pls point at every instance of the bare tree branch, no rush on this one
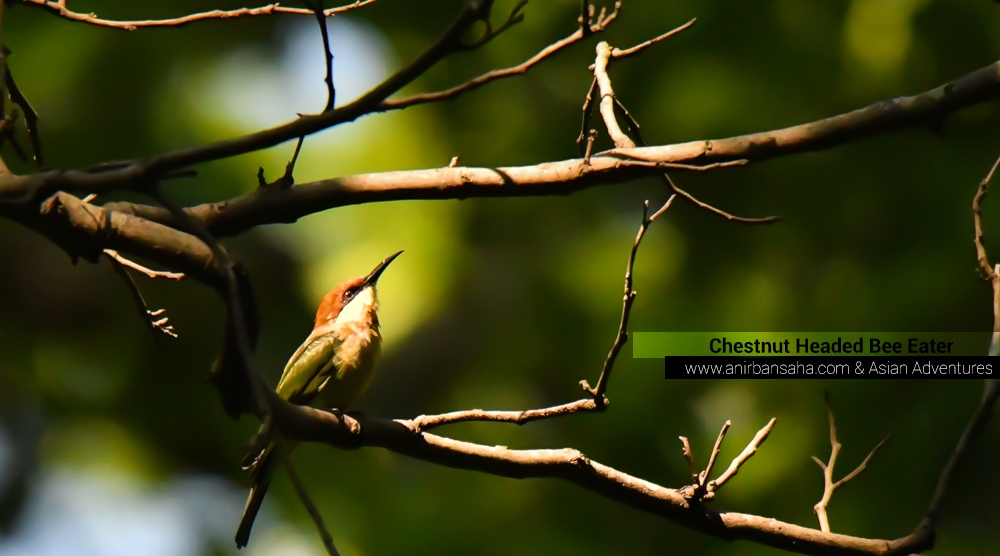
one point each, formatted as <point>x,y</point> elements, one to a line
<point>607,104</point>
<point>622,337</point>
<point>495,75</point>
<point>400,436</point>
<point>427,422</point>
<point>151,318</point>
<point>995,341</point>
<point>239,214</point>
<point>114,256</point>
<point>190,244</point>
<point>303,494</point>
<point>331,92</point>
<point>739,460</point>
<point>714,210</point>
<point>984,188</point>
<point>982,414</point>
<point>828,483</point>
<point>58,7</point>
<point>127,174</point>
<point>30,117</point>
<point>642,46</point>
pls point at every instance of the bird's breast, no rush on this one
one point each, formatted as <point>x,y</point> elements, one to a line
<point>354,362</point>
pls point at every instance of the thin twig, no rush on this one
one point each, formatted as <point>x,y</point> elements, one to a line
<point>513,18</point>
<point>710,208</point>
<point>591,137</point>
<point>991,391</point>
<point>586,16</point>
<point>136,266</point>
<point>828,483</point>
<point>477,82</point>
<point>587,106</point>
<point>738,461</point>
<point>995,341</point>
<point>703,476</point>
<point>331,93</point>
<point>234,296</point>
<point>688,456</point>
<point>30,118</point>
<point>306,500</point>
<point>640,47</point>
<point>633,125</point>
<point>59,8</point>
<point>678,166</point>
<point>427,422</point>
<point>151,318</point>
<point>7,131</point>
<point>627,300</point>
<point>984,187</point>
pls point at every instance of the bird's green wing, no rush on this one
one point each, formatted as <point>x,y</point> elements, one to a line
<point>308,369</point>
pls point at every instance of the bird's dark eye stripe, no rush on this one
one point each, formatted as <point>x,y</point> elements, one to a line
<point>350,293</point>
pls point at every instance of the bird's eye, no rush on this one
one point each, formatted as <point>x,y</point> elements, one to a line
<point>348,295</point>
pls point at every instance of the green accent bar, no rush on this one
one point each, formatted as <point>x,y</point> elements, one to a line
<point>743,344</point>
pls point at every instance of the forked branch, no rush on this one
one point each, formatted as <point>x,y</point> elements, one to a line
<point>154,319</point>
<point>828,483</point>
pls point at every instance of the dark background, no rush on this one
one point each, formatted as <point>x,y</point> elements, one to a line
<point>114,443</point>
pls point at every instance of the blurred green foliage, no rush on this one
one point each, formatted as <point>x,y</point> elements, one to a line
<point>507,303</point>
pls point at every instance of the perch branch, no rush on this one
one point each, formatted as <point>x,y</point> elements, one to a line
<point>400,436</point>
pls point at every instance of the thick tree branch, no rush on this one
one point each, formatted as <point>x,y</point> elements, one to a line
<point>239,214</point>
<point>58,7</point>
<point>400,436</point>
<point>85,231</point>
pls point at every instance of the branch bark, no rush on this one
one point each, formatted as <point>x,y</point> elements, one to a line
<point>237,215</point>
<point>405,438</point>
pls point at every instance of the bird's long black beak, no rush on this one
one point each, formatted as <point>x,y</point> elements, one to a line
<point>372,278</point>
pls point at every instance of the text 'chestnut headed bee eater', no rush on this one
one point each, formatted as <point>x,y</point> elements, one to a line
<point>332,368</point>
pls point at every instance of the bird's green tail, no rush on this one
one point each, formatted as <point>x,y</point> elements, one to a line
<point>263,470</point>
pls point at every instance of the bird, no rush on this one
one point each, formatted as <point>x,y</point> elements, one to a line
<point>332,368</point>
